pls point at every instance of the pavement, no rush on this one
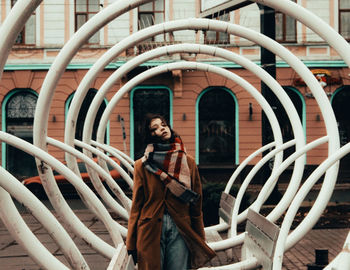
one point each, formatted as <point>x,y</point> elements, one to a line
<point>14,257</point>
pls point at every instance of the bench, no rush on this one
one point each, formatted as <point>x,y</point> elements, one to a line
<point>227,202</point>
<point>260,239</point>
<point>121,260</point>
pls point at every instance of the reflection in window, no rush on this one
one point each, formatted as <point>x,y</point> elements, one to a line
<point>214,37</point>
<point>285,28</point>
<point>151,13</point>
<point>145,100</point>
<point>344,18</point>
<point>84,10</point>
<point>27,34</point>
<point>216,127</point>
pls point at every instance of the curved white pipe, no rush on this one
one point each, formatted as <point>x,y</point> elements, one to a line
<point>113,204</point>
<point>285,241</point>
<point>246,182</point>
<point>229,242</point>
<point>69,217</point>
<point>42,114</point>
<point>222,225</point>
<point>12,25</point>
<point>20,231</point>
<point>111,183</point>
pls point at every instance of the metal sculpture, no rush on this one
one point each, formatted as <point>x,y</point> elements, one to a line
<point>291,200</point>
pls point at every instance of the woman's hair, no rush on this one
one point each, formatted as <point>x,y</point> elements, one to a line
<point>146,132</point>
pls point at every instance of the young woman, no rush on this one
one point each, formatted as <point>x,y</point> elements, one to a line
<point>165,229</point>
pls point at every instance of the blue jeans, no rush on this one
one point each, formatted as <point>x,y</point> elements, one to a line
<point>173,250</point>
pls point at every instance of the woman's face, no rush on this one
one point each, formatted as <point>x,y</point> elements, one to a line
<point>160,129</point>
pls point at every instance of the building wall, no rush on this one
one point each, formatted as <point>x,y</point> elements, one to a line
<point>27,67</point>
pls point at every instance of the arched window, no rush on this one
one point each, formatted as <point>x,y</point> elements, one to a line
<point>18,109</point>
<point>83,112</point>
<point>216,127</point>
<point>283,119</point>
<point>340,104</point>
<point>143,100</point>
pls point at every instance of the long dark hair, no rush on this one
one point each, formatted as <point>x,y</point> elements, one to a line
<point>146,132</point>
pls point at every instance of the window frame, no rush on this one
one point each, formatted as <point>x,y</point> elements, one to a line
<point>284,28</point>
<point>4,122</point>
<point>340,12</point>
<point>218,34</point>
<point>87,14</point>
<point>152,12</point>
<point>236,125</point>
<point>22,33</point>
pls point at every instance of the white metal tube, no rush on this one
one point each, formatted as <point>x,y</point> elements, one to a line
<point>12,25</point>
<point>112,203</point>
<point>110,181</point>
<point>227,243</point>
<point>64,210</point>
<point>222,225</point>
<point>244,163</point>
<point>269,185</point>
<point>116,154</point>
<point>275,214</point>
<point>22,234</point>
<point>192,65</point>
<point>217,52</point>
<point>307,76</point>
<point>45,99</point>
<point>286,241</point>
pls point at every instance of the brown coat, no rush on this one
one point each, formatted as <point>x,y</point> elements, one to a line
<point>150,197</point>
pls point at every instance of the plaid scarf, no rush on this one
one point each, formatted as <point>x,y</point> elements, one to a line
<point>169,162</point>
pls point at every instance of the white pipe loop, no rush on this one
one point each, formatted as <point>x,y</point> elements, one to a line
<point>110,181</point>
<point>285,241</point>
<point>222,226</point>
<point>68,216</point>
<point>114,153</point>
<point>109,200</point>
<point>229,242</point>
<point>44,101</point>
<point>12,25</point>
<point>19,230</point>
<point>270,184</point>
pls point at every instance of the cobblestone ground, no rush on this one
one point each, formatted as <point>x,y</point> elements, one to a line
<point>13,257</point>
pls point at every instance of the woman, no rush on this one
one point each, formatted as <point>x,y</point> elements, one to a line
<point>165,229</point>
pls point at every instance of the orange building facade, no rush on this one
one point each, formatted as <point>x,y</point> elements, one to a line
<point>219,121</point>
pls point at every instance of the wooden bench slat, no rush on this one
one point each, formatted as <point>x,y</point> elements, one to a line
<point>269,228</point>
<point>227,198</point>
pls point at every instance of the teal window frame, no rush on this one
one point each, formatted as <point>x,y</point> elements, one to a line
<point>303,113</point>
<point>4,118</point>
<point>211,88</point>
